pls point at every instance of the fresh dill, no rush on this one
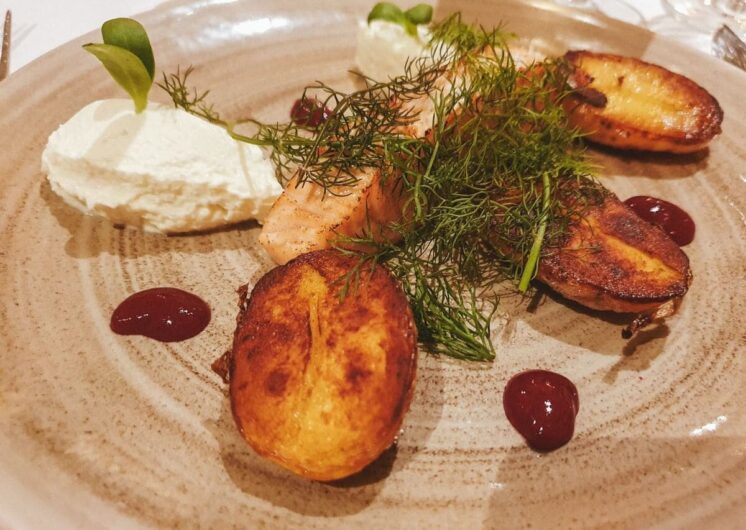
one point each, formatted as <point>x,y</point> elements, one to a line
<point>490,186</point>
<point>176,85</point>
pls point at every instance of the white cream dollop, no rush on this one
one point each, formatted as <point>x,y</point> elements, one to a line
<point>163,170</point>
<point>383,48</point>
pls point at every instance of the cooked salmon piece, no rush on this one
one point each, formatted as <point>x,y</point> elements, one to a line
<point>306,218</point>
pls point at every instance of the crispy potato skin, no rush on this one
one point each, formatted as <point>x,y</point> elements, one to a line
<point>646,107</point>
<point>612,260</point>
<point>318,385</point>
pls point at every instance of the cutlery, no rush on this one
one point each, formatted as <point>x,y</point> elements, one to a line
<point>5,53</point>
<point>729,46</point>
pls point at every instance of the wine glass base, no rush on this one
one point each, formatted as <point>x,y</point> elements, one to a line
<point>708,15</point>
<point>698,38</point>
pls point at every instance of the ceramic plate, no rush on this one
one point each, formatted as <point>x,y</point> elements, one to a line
<point>104,431</point>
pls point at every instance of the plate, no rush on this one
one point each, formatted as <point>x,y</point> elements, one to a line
<point>99,430</point>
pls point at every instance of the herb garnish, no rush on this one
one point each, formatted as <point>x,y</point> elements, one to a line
<point>409,19</point>
<point>128,57</point>
<point>491,188</point>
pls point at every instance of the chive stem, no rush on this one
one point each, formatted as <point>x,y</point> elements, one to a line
<point>418,183</point>
<point>529,270</point>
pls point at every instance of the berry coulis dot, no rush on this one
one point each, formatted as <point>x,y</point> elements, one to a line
<point>166,314</point>
<point>542,406</point>
<point>665,215</point>
<point>309,112</point>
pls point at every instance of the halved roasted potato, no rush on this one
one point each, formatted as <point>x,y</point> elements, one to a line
<point>612,260</point>
<point>319,384</point>
<point>627,103</point>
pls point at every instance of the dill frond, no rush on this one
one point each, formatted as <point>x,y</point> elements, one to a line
<point>495,184</point>
<point>176,86</point>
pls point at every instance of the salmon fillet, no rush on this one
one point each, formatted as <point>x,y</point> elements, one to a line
<point>304,218</point>
<point>307,218</point>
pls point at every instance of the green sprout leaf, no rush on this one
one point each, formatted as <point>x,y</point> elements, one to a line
<point>393,13</point>
<point>419,14</point>
<point>127,70</point>
<point>127,56</point>
<point>385,11</point>
<point>130,35</point>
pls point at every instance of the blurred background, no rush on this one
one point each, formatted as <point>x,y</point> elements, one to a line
<point>41,25</point>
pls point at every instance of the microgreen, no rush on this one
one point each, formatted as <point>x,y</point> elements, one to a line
<point>420,14</point>
<point>127,55</point>
<point>130,35</point>
<point>409,19</point>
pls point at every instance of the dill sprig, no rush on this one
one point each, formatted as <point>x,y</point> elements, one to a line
<point>496,184</point>
<point>492,187</point>
<point>176,85</point>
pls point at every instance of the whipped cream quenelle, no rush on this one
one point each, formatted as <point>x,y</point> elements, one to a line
<point>163,170</point>
<point>383,48</point>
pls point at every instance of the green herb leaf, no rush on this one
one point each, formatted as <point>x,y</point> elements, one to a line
<point>127,55</point>
<point>386,11</point>
<point>392,13</point>
<point>419,14</point>
<point>130,35</point>
<point>127,70</point>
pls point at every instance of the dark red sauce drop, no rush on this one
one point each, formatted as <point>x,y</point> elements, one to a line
<point>670,218</point>
<point>309,112</point>
<point>542,406</point>
<point>164,313</point>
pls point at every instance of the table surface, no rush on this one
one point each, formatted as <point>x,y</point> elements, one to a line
<point>41,25</point>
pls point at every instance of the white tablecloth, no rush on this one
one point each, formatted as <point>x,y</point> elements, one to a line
<point>41,25</point>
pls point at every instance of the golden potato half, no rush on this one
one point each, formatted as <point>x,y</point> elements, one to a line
<point>319,384</point>
<point>611,260</point>
<point>627,103</point>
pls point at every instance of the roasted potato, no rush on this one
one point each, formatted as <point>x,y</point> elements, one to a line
<point>627,103</point>
<point>612,260</point>
<point>319,384</point>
